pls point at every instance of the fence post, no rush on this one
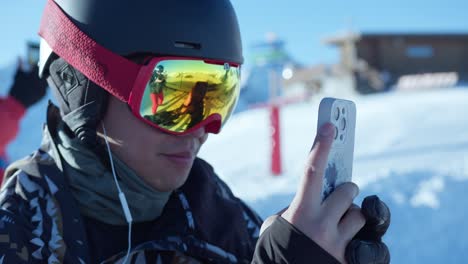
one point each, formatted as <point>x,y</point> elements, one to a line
<point>275,140</point>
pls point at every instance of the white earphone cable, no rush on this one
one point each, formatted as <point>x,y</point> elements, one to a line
<point>123,200</point>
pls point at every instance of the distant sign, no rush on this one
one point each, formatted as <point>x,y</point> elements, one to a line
<point>427,81</point>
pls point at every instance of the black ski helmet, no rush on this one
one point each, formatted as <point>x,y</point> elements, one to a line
<point>202,28</point>
<point>206,29</point>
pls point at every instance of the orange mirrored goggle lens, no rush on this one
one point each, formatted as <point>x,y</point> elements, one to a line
<point>181,94</point>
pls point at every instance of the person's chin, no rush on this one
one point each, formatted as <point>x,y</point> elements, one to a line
<point>173,178</point>
<point>171,174</point>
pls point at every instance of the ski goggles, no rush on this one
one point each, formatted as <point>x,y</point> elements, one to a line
<point>181,94</point>
<point>175,94</point>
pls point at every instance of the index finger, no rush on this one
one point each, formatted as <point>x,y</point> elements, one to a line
<point>311,185</point>
<point>19,62</point>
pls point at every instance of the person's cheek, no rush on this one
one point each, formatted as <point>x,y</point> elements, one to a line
<point>203,139</point>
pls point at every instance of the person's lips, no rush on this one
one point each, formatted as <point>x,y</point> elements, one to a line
<point>184,158</point>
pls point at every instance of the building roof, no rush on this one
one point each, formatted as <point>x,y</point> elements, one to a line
<point>340,38</point>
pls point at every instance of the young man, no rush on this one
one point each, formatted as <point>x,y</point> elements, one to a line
<point>27,89</point>
<point>117,180</point>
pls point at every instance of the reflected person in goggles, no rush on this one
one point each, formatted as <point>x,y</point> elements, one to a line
<point>117,178</point>
<point>157,82</point>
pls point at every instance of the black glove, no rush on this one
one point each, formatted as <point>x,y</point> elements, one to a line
<point>367,246</point>
<point>28,88</point>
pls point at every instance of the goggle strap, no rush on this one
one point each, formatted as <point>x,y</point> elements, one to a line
<point>112,72</point>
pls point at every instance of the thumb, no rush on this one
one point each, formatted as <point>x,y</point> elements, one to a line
<point>19,73</point>
<point>377,216</point>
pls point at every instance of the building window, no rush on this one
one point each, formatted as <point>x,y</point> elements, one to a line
<point>420,51</point>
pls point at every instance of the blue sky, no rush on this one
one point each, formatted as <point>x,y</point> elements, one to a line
<point>301,23</point>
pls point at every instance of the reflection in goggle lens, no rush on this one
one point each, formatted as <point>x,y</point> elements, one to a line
<point>183,93</point>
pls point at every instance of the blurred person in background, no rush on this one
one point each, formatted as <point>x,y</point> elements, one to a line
<point>27,89</point>
<point>109,185</point>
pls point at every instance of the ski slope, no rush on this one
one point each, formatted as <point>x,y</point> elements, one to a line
<point>411,150</point>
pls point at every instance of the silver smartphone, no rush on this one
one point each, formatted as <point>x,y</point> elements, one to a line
<point>342,114</point>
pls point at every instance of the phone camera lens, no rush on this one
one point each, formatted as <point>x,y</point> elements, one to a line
<point>343,111</point>
<point>343,124</point>
<point>336,132</point>
<point>336,113</point>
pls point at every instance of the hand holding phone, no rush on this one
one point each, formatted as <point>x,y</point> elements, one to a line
<point>342,114</point>
<point>334,222</point>
<point>331,223</point>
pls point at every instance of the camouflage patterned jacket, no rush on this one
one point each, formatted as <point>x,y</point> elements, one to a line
<point>40,220</point>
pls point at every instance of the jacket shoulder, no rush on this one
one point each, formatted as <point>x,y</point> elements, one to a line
<point>35,208</point>
<point>25,201</point>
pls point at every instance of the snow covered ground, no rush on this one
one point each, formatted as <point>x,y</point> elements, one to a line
<point>411,150</point>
